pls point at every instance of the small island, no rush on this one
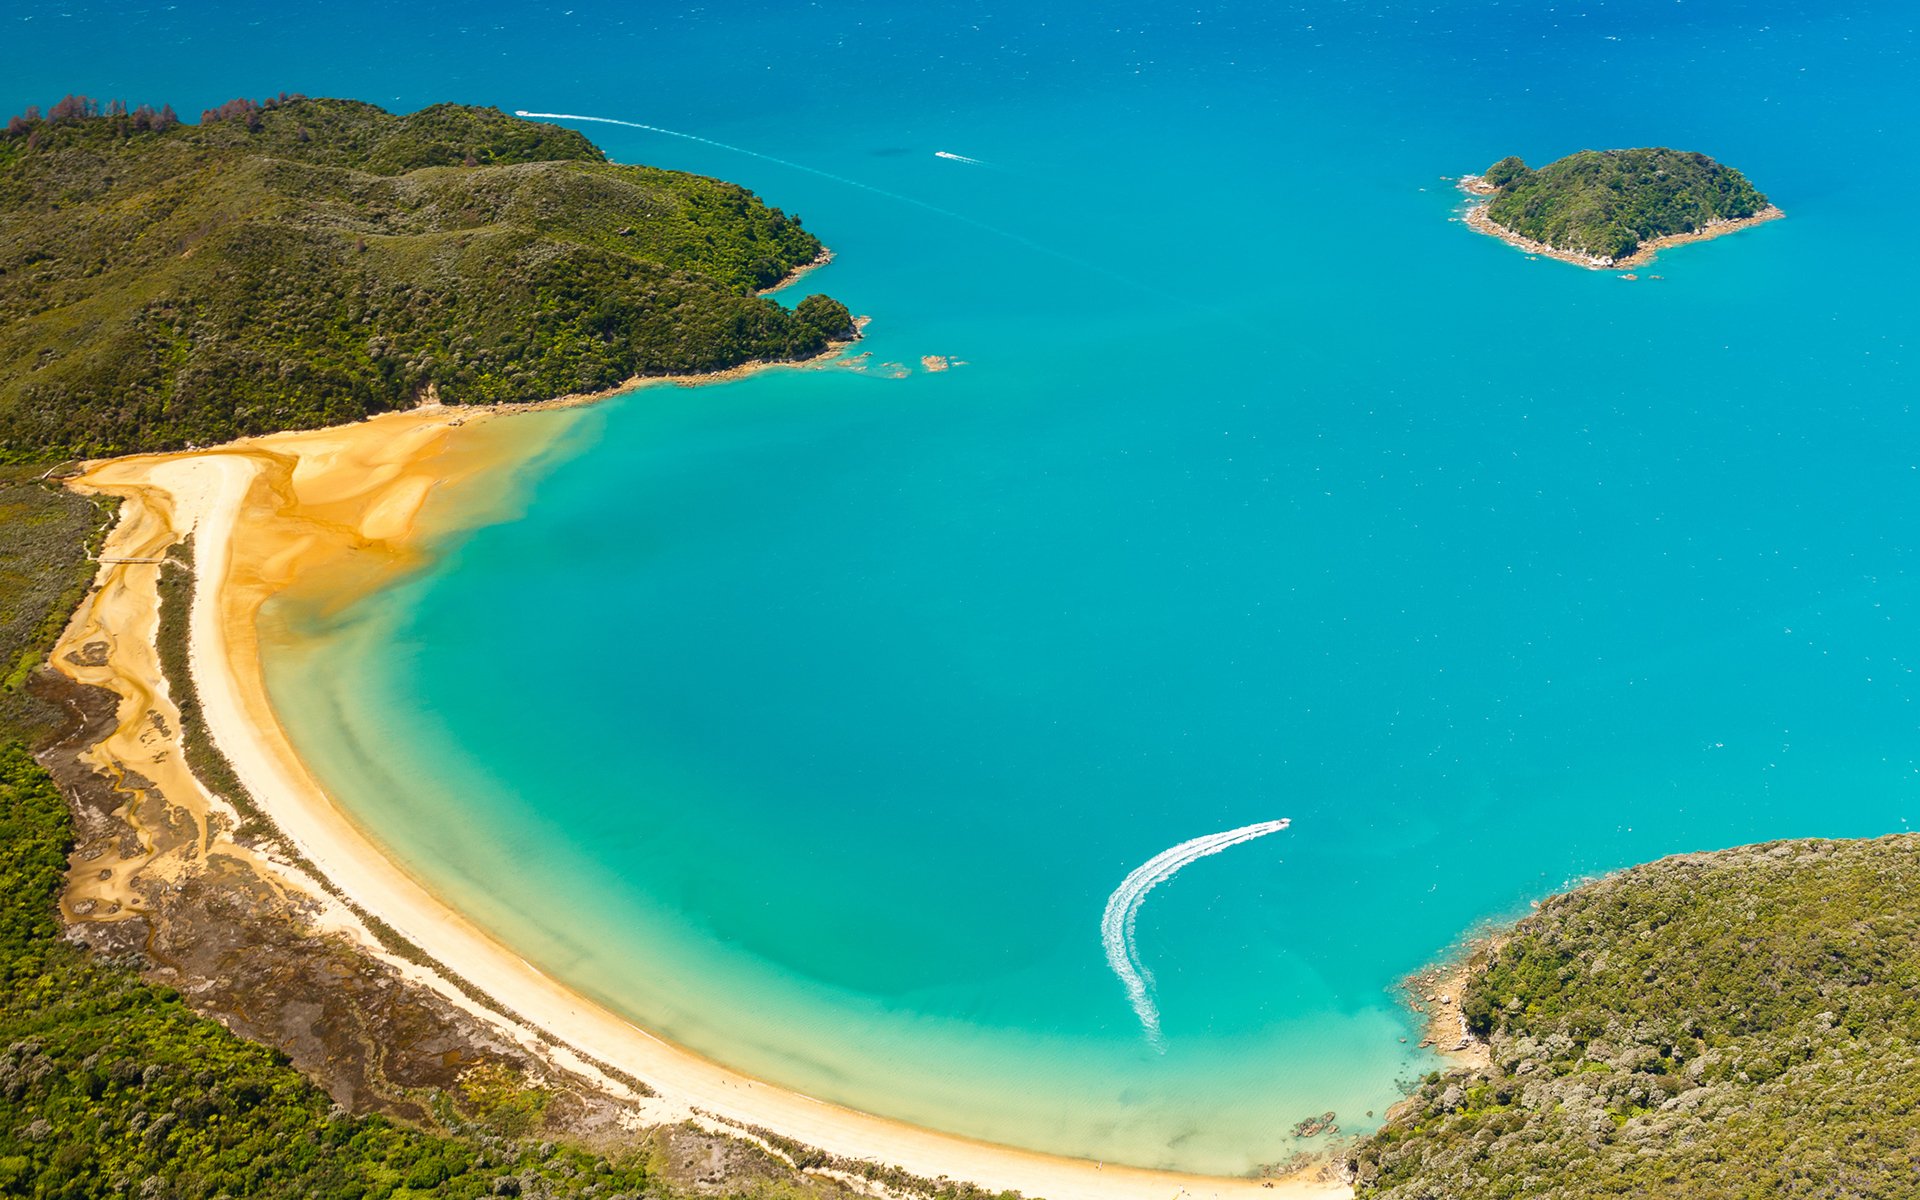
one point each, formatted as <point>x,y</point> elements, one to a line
<point>1606,209</point>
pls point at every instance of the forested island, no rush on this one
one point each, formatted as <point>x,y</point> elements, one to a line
<point>301,262</point>
<point>1614,208</point>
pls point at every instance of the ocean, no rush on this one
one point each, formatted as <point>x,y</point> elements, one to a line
<point>812,720</point>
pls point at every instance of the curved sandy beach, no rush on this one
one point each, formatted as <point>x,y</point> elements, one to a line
<point>265,512</point>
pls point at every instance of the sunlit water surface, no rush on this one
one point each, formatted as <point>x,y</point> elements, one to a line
<point>811,720</point>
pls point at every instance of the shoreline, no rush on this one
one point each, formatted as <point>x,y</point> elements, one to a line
<point>1436,993</point>
<point>804,269</point>
<point>1479,221</point>
<point>266,511</point>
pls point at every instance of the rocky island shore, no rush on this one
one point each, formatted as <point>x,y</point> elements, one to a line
<point>1613,209</point>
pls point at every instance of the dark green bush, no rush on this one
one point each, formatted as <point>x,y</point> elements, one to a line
<point>1729,1025</point>
<point>111,1087</point>
<point>305,262</point>
<point>1606,202</point>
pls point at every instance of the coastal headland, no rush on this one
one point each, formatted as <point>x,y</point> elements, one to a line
<point>346,501</point>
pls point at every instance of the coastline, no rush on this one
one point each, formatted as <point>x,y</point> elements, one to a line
<point>1436,993</point>
<point>1479,221</point>
<point>798,273</point>
<point>267,511</point>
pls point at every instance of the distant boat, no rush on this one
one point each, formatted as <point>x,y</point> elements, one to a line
<point>948,154</point>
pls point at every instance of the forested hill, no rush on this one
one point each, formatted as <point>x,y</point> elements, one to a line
<point>1606,202</point>
<point>301,262</point>
<point>1720,1026</point>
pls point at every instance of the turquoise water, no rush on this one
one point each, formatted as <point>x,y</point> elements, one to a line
<point>1266,491</point>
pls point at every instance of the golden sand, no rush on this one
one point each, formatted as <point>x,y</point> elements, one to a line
<point>345,502</point>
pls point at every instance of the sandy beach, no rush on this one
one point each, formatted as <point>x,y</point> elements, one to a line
<point>266,512</point>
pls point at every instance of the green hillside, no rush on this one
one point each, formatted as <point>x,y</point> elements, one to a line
<point>1606,202</point>
<point>110,1086</point>
<point>1729,1026</point>
<point>304,262</point>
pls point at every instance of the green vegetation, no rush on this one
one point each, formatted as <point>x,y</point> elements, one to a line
<point>1736,1025</point>
<point>110,1086</point>
<point>304,262</point>
<point>1606,202</point>
<point>204,757</point>
<point>45,533</point>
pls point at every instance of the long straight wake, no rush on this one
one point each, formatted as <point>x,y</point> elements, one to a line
<point>1123,912</point>
<point>964,219</point>
<point>706,141</point>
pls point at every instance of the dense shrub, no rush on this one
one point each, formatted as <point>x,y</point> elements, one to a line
<point>1729,1025</point>
<point>1606,202</point>
<point>110,1086</point>
<point>298,262</point>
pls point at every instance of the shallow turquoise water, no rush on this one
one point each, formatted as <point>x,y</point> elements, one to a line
<point>1266,491</point>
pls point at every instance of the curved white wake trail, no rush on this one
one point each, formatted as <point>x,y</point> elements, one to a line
<point>1123,911</point>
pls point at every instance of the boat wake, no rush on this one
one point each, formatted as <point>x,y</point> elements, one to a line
<point>796,166</point>
<point>706,141</point>
<point>963,218</point>
<point>1123,912</point>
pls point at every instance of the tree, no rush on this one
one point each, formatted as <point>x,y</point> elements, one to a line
<point>826,316</point>
<point>71,108</point>
<point>1506,171</point>
<point>238,108</point>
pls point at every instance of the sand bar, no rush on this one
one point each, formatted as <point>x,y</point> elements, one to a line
<point>265,512</point>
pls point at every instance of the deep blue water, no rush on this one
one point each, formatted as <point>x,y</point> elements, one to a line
<point>1266,490</point>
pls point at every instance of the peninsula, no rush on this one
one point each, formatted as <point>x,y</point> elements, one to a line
<point>298,262</point>
<point>1718,1025</point>
<point>1606,209</point>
